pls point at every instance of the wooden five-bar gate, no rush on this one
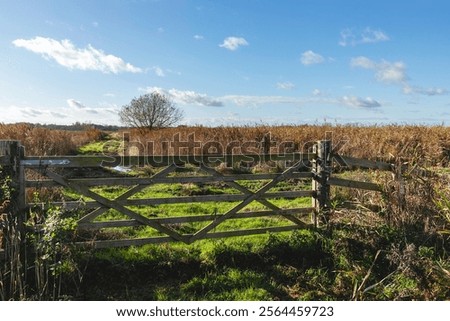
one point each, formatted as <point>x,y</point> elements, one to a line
<point>53,172</point>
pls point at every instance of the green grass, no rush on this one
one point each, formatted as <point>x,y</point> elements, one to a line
<point>107,146</point>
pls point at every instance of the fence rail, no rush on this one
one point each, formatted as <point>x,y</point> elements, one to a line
<point>315,168</point>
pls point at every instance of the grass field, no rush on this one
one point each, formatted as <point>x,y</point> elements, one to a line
<point>400,251</point>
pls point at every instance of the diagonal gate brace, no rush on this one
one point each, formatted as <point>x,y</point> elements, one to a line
<point>116,205</point>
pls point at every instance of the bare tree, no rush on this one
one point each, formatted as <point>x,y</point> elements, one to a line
<point>150,111</point>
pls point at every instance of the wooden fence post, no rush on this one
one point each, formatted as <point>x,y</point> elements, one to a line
<point>321,173</point>
<point>11,153</point>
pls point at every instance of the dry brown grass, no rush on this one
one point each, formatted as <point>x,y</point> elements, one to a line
<point>427,145</point>
<point>41,141</point>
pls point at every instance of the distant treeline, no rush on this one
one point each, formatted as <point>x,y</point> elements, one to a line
<point>77,126</point>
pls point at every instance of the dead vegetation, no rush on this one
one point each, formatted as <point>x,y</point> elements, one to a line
<point>40,141</point>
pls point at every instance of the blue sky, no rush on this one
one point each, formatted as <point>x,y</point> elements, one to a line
<point>229,62</point>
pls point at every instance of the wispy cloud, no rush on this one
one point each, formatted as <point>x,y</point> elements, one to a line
<point>66,54</point>
<point>287,85</point>
<point>82,109</point>
<point>75,104</point>
<point>158,71</point>
<point>317,92</point>
<point>31,112</point>
<point>186,96</point>
<point>198,37</point>
<point>394,73</point>
<point>58,115</point>
<point>358,102</point>
<point>425,91</point>
<point>253,101</point>
<point>192,97</point>
<point>310,58</point>
<point>72,112</point>
<point>349,37</point>
<point>233,43</point>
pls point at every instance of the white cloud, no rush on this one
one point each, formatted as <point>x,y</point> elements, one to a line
<point>363,62</point>
<point>186,96</point>
<point>253,101</point>
<point>395,73</point>
<point>66,54</point>
<point>388,72</point>
<point>31,112</point>
<point>385,71</point>
<point>61,115</point>
<point>233,43</point>
<point>192,97</point>
<point>198,37</point>
<point>368,35</point>
<point>373,36</point>
<point>242,100</point>
<point>158,71</point>
<point>309,58</point>
<point>407,89</point>
<point>58,115</point>
<point>359,102</point>
<point>75,104</point>
<point>435,91</point>
<point>317,92</point>
<point>287,85</point>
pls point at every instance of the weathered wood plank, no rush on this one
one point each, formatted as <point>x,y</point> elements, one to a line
<point>232,197</point>
<point>354,184</point>
<point>346,161</point>
<point>63,161</point>
<point>214,235</point>
<point>5,160</point>
<point>194,218</point>
<point>156,160</point>
<point>127,181</point>
<point>175,200</point>
<point>165,160</point>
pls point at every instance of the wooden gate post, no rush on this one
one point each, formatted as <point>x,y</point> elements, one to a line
<point>11,153</point>
<point>321,173</point>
